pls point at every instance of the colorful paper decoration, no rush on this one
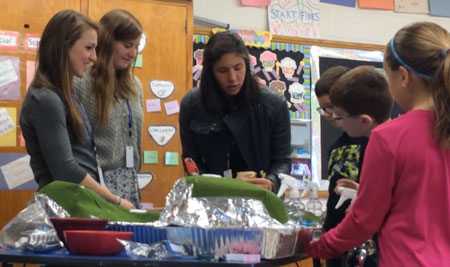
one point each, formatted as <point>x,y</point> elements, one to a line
<point>376,4</point>
<point>255,2</point>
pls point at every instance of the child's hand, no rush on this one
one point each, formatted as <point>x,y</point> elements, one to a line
<point>344,182</point>
<point>304,238</point>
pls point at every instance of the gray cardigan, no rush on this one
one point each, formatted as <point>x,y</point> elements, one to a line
<point>50,141</point>
<point>112,139</point>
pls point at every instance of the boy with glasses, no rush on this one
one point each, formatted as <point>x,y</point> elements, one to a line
<point>345,154</point>
<point>361,101</point>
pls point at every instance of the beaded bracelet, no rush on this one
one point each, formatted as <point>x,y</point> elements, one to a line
<point>118,199</point>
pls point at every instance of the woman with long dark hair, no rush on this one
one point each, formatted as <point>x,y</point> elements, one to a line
<point>232,124</point>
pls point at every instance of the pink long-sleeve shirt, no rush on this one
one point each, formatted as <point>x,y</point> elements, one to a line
<point>404,195</point>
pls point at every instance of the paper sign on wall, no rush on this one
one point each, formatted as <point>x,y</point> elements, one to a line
<point>378,4</point>
<point>171,158</point>
<point>294,18</point>
<point>412,6</point>
<point>144,179</point>
<point>162,89</point>
<point>172,107</point>
<point>32,42</point>
<point>7,73</point>
<point>161,134</point>
<point>153,105</point>
<point>150,157</point>
<point>142,43</point>
<point>9,78</point>
<point>7,127</point>
<point>255,2</point>
<point>138,61</point>
<point>31,69</point>
<point>347,3</point>
<point>17,172</point>
<point>439,8</point>
<point>9,40</point>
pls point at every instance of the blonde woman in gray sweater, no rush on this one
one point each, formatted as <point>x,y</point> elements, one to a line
<point>112,97</point>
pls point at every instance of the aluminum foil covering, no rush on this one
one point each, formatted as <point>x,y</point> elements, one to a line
<point>271,243</point>
<point>31,230</point>
<point>156,251</point>
<point>52,209</point>
<point>216,242</point>
<point>217,225</point>
<point>183,210</point>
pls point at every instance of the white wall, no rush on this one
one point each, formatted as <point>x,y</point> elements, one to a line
<point>336,22</point>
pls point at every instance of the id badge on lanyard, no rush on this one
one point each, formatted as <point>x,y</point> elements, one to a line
<point>129,152</point>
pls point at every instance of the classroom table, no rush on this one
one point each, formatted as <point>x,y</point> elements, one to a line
<point>61,257</point>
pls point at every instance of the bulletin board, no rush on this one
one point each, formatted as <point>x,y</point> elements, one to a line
<point>17,66</point>
<point>283,67</point>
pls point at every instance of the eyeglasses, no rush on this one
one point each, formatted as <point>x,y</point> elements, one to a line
<point>338,118</point>
<point>327,109</point>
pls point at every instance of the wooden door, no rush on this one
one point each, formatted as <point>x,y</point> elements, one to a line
<point>166,56</point>
<point>24,17</point>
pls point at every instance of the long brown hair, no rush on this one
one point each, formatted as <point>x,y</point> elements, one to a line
<point>116,26</point>
<point>424,48</point>
<point>54,70</point>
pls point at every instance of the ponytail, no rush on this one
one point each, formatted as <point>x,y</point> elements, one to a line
<point>441,97</point>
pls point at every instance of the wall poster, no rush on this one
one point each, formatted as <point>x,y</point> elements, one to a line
<point>283,67</point>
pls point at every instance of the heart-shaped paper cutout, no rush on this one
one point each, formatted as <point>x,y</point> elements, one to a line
<point>161,134</point>
<point>142,43</point>
<point>162,89</point>
<point>144,179</point>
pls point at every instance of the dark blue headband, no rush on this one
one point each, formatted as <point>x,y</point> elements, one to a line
<point>403,63</point>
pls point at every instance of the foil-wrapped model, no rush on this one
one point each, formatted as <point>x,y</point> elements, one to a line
<point>217,225</point>
<point>30,230</point>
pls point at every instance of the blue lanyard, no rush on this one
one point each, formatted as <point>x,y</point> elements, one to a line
<point>130,117</point>
<point>86,123</point>
<point>130,120</point>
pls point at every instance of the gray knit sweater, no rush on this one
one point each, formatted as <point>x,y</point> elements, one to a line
<point>113,138</point>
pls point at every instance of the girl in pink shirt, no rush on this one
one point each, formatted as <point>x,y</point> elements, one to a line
<point>404,191</point>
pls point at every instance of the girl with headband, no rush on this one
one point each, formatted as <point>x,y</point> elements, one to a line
<point>404,192</point>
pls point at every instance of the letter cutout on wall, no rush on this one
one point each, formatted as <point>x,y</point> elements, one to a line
<point>161,134</point>
<point>162,89</point>
<point>144,179</point>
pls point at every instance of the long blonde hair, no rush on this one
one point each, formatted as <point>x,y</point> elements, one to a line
<point>423,46</point>
<point>54,69</point>
<point>116,26</point>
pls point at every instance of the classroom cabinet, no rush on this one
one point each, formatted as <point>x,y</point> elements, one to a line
<point>167,56</point>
